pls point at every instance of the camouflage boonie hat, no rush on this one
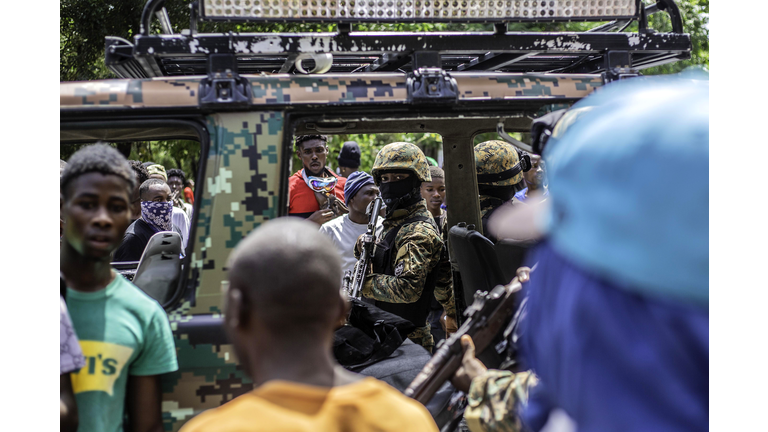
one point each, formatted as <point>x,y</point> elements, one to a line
<point>495,157</point>
<point>401,156</point>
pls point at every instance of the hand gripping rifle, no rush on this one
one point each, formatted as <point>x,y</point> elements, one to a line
<point>353,283</point>
<point>484,319</point>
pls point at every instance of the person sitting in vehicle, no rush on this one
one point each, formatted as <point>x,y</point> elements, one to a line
<point>344,231</point>
<point>284,343</point>
<point>156,213</point>
<point>499,177</point>
<point>409,264</point>
<point>303,200</point>
<point>124,334</point>
<point>349,159</point>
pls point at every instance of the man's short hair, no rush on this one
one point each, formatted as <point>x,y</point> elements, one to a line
<point>140,171</point>
<point>289,274</point>
<point>436,172</point>
<point>175,172</point>
<point>144,188</point>
<point>301,139</point>
<point>100,158</point>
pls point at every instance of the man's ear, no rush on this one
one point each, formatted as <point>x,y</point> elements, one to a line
<point>236,316</point>
<point>344,308</point>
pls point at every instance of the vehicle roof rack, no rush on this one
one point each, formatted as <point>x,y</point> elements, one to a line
<point>603,48</point>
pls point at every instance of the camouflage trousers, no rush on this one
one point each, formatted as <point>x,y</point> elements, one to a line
<point>423,337</point>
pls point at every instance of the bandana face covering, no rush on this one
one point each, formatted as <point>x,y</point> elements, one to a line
<point>157,214</point>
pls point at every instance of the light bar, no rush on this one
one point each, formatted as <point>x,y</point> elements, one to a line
<point>417,10</point>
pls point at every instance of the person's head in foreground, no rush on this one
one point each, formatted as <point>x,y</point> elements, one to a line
<point>399,170</point>
<point>96,187</point>
<point>282,307</point>
<point>617,325</point>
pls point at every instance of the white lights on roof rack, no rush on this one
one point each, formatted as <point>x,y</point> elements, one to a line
<point>415,10</point>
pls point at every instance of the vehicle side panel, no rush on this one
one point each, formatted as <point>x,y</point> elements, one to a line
<point>241,179</point>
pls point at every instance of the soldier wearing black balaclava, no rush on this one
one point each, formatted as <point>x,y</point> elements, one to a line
<point>409,251</point>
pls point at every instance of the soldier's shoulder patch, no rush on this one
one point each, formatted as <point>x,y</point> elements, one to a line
<point>399,268</point>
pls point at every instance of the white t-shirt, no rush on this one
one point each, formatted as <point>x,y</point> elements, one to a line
<point>344,233</point>
<point>180,223</point>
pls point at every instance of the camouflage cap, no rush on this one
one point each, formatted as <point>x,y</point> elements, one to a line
<point>401,156</point>
<point>157,169</point>
<point>495,157</point>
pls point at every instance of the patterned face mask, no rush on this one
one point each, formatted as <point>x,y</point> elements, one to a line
<point>157,214</point>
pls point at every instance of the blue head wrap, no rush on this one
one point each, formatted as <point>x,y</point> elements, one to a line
<point>354,183</point>
<point>629,186</point>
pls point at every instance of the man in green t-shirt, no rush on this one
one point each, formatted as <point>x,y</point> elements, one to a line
<point>124,334</point>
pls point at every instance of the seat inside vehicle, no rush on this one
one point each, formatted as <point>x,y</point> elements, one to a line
<point>160,266</point>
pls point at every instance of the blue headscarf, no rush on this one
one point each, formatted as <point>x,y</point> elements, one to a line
<point>354,183</point>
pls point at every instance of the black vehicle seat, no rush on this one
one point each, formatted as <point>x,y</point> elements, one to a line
<point>511,255</point>
<point>160,266</point>
<point>480,271</point>
<point>476,257</point>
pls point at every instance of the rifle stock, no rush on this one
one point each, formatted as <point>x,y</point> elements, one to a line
<point>484,319</point>
<point>353,285</point>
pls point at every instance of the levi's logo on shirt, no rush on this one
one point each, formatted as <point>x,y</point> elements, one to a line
<point>103,363</point>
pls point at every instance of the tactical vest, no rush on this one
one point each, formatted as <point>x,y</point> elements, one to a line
<point>417,311</point>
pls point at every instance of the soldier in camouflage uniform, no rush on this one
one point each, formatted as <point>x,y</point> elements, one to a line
<point>499,177</point>
<point>409,264</point>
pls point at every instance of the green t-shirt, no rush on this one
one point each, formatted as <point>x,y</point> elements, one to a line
<point>122,332</point>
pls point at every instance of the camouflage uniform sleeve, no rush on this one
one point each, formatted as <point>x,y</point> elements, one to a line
<point>444,285</point>
<point>418,251</point>
<point>493,399</point>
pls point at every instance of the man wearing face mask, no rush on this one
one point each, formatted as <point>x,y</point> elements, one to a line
<point>156,213</point>
<point>499,176</point>
<point>409,252</point>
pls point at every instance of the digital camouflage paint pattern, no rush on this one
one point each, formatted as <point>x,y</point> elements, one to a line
<point>327,89</point>
<point>242,172</point>
<point>494,398</point>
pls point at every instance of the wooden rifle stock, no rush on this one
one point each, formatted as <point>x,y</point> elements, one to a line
<point>485,318</point>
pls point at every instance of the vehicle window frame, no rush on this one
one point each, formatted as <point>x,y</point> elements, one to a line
<point>186,281</point>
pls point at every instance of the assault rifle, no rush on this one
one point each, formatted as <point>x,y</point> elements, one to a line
<point>353,282</point>
<point>484,319</point>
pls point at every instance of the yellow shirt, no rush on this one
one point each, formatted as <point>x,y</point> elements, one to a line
<point>366,405</point>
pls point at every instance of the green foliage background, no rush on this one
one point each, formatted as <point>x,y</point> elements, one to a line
<point>85,23</point>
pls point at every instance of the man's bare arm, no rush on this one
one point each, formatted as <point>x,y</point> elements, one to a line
<point>143,401</point>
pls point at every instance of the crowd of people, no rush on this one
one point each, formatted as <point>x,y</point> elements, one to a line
<point>615,331</point>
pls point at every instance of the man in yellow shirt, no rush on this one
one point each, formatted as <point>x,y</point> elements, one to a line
<point>282,306</point>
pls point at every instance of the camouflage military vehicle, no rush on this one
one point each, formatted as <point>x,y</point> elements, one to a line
<point>244,97</point>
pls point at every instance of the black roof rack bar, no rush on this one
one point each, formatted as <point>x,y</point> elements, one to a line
<point>377,43</point>
<point>153,55</point>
